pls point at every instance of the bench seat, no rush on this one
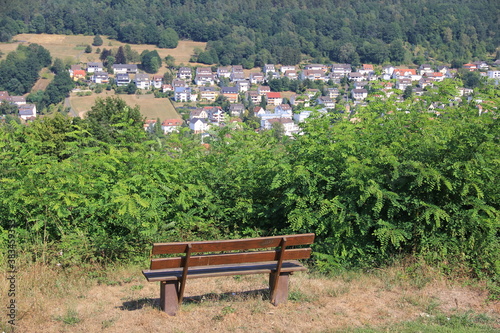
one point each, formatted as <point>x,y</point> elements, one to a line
<point>267,267</point>
<point>200,259</point>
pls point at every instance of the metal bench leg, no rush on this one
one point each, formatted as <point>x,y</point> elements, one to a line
<point>169,297</point>
<point>280,293</point>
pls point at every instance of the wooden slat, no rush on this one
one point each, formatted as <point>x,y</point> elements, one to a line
<point>222,270</point>
<point>232,244</point>
<point>230,258</point>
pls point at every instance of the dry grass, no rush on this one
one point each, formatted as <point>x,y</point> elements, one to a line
<point>151,108</point>
<point>71,48</point>
<point>46,76</point>
<point>51,300</point>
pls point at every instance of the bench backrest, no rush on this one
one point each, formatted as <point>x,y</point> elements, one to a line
<point>249,250</point>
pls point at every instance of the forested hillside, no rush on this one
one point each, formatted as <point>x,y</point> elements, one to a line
<point>254,32</point>
<point>374,188</point>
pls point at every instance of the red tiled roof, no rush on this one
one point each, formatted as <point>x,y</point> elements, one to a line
<point>273,95</point>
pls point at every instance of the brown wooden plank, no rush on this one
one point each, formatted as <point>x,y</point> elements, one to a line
<point>222,270</point>
<point>230,258</point>
<point>232,244</point>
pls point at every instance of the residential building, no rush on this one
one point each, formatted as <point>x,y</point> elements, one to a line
<point>124,68</point>
<point>27,111</point>
<point>182,94</point>
<point>122,80</point>
<point>93,67</point>
<point>171,125</point>
<point>142,81</point>
<point>100,77</point>
<point>185,73</point>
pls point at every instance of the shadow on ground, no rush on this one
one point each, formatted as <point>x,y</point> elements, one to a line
<point>140,303</point>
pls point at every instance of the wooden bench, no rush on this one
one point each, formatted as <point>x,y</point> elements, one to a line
<point>264,255</point>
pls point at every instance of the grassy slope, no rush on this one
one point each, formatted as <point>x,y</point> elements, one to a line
<point>121,300</point>
<point>151,108</point>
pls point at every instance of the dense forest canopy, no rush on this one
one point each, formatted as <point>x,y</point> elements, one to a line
<point>254,32</point>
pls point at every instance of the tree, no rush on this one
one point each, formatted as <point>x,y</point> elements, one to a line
<point>170,61</point>
<point>131,88</point>
<point>151,61</point>
<point>120,56</point>
<point>88,49</point>
<point>8,108</point>
<point>111,120</point>
<point>168,39</point>
<point>408,93</point>
<point>97,40</point>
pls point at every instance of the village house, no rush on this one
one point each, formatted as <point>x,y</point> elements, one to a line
<point>185,73</point>
<point>426,82</point>
<point>17,100</point>
<point>142,81</point>
<point>208,94</point>
<point>326,102</point>
<point>470,67</point>
<point>237,77</point>
<point>100,77</point>
<point>401,84</point>
<point>157,81</point>
<point>436,76</point>
<point>27,111</point>
<point>237,69</point>
<point>253,96</point>
<point>341,69</point>
<point>269,68</point>
<point>231,93</point>
<point>359,94</point>
<point>182,94</point>
<point>243,86</point>
<point>167,87</point>
<point>76,73</point>
<point>291,74</point>
<point>124,69</point>
<point>122,80</point>
<point>262,90</point>
<point>259,111</point>
<point>93,67</point>
<point>223,72</point>
<point>355,76</point>
<point>283,109</point>
<point>313,75</point>
<point>332,92</point>
<point>199,125</point>
<point>236,110</point>
<point>316,67</point>
<point>202,79</point>
<point>296,100</point>
<point>425,69</point>
<point>285,68</point>
<point>74,68</point>
<point>171,125</point>
<point>481,65</point>
<point>289,126</point>
<point>366,69</point>
<point>179,83</point>
<point>199,113</point>
<point>400,73</point>
<point>149,125</point>
<point>256,78</point>
<point>274,98</point>
<point>215,114</point>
